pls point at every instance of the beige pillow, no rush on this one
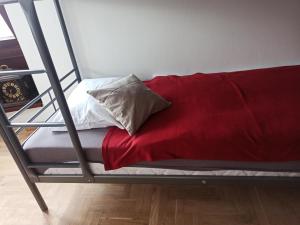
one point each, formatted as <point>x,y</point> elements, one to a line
<point>129,101</point>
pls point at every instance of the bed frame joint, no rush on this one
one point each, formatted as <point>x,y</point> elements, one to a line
<point>34,179</point>
<point>90,179</point>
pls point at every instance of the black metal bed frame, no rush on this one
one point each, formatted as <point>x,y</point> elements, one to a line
<point>27,168</point>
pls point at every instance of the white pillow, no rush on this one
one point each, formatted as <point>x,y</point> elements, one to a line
<point>86,111</point>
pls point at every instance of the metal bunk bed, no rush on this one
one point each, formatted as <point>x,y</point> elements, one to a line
<point>9,132</point>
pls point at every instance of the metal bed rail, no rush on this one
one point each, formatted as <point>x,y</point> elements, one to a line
<point>6,2</point>
<point>172,179</point>
<point>29,123</point>
<point>14,74</point>
<point>67,38</point>
<point>29,10</point>
<point>29,178</point>
<point>7,73</point>
<point>7,130</point>
<point>37,98</point>
<point>35,27</point>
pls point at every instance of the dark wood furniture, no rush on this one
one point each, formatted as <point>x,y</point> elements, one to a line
<point>15,92</point>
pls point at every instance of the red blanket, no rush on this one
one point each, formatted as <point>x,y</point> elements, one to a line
<point>245,116</point>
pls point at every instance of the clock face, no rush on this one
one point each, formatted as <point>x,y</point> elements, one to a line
<point>12,92</point>
<point>17,92</point>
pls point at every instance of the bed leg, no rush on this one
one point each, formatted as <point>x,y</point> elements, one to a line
<point>14,147</point>
<point>37,195</point>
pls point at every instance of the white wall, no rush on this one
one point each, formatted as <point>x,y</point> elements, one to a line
<point>182,36</point>
<point>55,41</point>
<point>53,35</point>
<point>146,37</point>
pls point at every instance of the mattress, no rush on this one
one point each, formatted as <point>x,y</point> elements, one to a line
<point>46,146</point>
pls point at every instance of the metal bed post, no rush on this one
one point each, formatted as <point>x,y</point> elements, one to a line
<point>67,38</point>
<point>20,159</point>
<point>33,21</point>
<point>11,137</point>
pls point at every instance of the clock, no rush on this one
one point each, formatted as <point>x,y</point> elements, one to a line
<point>16,92</point>
<point>11,91</point>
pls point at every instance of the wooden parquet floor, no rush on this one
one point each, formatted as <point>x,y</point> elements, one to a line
<point>104,204</point>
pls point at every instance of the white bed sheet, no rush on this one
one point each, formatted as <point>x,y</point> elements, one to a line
<point>98,169</point>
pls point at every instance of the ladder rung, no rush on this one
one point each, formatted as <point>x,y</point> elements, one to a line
<point>37,125</point>
<point>4,73</point>
<point>4,2</point>
<point>53,165</point>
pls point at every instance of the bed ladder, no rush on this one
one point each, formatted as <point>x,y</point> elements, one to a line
<point>7,127</point>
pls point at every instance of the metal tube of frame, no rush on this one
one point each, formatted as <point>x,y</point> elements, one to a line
<point>53,165</point>
<point>67,38</point>
<point>68,74</point>
<point>41,111</point>
<point>52,102</point>
<point>32,18</point>
<point>171,179</point>
<point>32,186</point>
<point>22,128</point>
<point>36,125</point>
<point>9,77</point>
<point>29,104</point>
<point>13,139</point>
<point>70,85</point>
<point>4,2</point>
<point>20,72</point>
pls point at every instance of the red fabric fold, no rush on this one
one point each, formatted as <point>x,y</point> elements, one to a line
<point>245,116</point>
